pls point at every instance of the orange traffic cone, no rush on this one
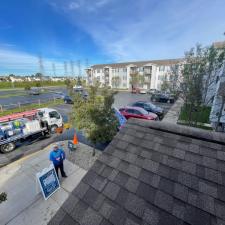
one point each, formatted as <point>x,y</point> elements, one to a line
<point>75,139</point>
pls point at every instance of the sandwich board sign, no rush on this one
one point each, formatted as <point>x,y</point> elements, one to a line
<point>48,181</point>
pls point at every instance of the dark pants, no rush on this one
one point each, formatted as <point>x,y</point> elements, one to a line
<point>60,166</point>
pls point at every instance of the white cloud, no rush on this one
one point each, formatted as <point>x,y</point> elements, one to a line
<point>73,5</point>
<point>143,29</point>
<point>23,63</point>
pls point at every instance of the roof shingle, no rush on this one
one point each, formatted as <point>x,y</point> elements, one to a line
<point>171,175</point>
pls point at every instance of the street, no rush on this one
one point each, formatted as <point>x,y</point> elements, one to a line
<point>121,99</point>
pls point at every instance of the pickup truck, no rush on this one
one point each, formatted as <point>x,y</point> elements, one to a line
<point>18,127</point>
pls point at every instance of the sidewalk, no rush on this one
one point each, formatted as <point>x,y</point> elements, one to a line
<point>173,114</point>
<point>25,204</point>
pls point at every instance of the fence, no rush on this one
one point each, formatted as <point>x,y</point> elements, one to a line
<point>22,104</point>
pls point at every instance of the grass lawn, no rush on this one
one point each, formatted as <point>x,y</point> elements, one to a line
<point>200,115</point>
<point>32,106</point>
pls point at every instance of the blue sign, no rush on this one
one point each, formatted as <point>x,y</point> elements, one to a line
<point>48,181</point>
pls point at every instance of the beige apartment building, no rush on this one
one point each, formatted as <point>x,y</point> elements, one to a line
<point>154,72</point>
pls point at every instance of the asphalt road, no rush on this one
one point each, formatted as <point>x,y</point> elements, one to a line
<point>24,98</point>
<point>121,99</point>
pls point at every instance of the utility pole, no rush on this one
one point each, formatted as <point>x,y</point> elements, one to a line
<point>72,68</point>
<point>53,69</point>
<point>41,66</point>
<point>79,68</point>
<point>65,68</point>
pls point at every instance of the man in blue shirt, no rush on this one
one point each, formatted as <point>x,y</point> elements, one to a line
<point>57,156</point>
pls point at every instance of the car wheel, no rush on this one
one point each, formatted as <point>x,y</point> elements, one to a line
<point>8,147</point>
<point>53,129</point>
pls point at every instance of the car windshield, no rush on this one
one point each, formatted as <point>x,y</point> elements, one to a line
<point>142,111</point>
<point>150,105</point>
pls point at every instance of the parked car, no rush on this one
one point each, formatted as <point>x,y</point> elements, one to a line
<point>153,91</point>
<point>142,91</point>
<point>67,99</point>
<point>159,97</point>
<point>134,90</point>
<point>121,119</point>
<point>80,90</point>
<point>34,91</point>
<point>148,106</point>
<point>137,112</point>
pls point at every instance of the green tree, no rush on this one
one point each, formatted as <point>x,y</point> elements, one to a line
<point>69,86</point>
<point>115,81</point>
<point>27,87</point>
<point>38,84</point>
<point>193,72</point>
<point>79,81</point>
<point>134,79</point>
<point>95,116</point>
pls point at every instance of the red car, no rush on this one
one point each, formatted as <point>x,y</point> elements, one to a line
<point>137,112</point>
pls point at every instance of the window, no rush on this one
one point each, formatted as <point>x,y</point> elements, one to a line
<point>217,79</point>
<point>137,112</point>
<point>54,114</point>
<point>162,68</point>
<point>124,69</point>
<point>98,70</point>
<point>139,104</point>
<point>131,111</point>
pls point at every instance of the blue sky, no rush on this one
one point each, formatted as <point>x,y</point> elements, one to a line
<point>102,31</point>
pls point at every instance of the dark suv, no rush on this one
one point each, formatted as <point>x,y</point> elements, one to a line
<point>166,98</point>
<point>149,107</point>
<point>67,99</point>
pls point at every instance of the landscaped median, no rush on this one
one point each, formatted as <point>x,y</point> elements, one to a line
<point>198,117</point>
<point>31,106</point>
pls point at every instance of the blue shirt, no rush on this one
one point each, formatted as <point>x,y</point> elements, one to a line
<point>57,157</point>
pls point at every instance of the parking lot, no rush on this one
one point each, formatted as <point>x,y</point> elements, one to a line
<point>121,99</point>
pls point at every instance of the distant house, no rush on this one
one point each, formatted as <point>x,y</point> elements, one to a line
<point>58,78</point>
<point>14,78</point>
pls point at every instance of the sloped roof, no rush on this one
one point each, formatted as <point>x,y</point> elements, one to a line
<point>162,62</point>
<point>152,173</point>
<point>219,44</point>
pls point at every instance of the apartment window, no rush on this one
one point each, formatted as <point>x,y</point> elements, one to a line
<point>162,68</point>
<point>124,77</point>
<point>141,69</point>
<point>98,70</point>
<point>124,69</point>
<point>217,79</point>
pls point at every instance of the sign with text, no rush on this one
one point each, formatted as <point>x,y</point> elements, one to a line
<point>48,181</point>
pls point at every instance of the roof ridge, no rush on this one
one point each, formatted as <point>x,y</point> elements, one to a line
<point>181,130</point>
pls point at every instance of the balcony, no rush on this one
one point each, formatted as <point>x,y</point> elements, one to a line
<point>133,70</point>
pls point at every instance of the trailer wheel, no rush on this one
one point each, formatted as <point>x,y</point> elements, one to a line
<point>8,147</point>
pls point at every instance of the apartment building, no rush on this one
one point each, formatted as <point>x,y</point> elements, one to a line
<point>217,94</point>
<point>154,72</point>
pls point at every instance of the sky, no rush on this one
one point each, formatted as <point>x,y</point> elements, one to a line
<point>57,32</point>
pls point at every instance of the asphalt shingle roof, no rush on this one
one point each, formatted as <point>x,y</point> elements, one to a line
<point>152,173</point>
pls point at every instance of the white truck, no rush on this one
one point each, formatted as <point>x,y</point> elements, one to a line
<point>18,127</point>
